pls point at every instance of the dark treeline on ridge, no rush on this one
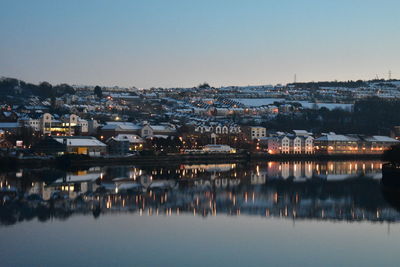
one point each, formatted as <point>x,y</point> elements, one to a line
<point>369,116</point>
<point>15,87</point>
<point>346,84</point>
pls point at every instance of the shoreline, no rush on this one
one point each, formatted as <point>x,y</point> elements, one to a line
<point>72,161</point>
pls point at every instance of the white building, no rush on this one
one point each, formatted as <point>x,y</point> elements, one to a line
<point>218,149</point>
<point>257,132</point>
<point>291,144</point>
<point>218,129</point>
<point>47,123</point>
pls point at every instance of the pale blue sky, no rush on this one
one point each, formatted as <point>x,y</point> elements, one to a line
<point>183,43</point>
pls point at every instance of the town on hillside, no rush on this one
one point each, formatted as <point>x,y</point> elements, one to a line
<point>298,119</point>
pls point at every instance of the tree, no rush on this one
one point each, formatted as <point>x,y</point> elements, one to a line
<point>98,92</point>
<point>204,86</point>
<point>53,102</point>
<point>45,90</point>
<point>63,89</point>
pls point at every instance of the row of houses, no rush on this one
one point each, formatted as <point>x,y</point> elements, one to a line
<point>298,142</point>
<point>252,132</point>
<point>117,138</point>
<point>218,129</point>
<point>71,124</point>
<point>303,142</point>
<point>143,129</point>
<point>51,124</point>
<point>48,124</point>
<point>88,145</point>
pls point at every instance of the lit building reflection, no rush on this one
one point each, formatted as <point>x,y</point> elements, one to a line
<point>296,190</point>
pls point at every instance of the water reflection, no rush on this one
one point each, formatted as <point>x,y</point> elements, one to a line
<point>340,190</point>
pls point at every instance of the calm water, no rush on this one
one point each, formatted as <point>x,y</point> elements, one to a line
<point>270,213</point>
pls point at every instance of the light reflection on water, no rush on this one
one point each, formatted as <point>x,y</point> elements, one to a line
<point>254,202</point>
<point>300,190</point>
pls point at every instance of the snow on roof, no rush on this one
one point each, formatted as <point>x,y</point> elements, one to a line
<point>336,137</point>
<point>113,125</point>
<point>162,128</point>
<point>7,125</point>
<point>301,132</point>
<point>158,127</point>
<point>380,138</point>
<point>161,136</point>
<point>82,142</point>
<point>132,138</point>
<point>78,178</point>
<point>7,113</point>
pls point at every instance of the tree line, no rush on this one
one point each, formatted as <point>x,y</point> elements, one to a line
<point>369,116</point>
<point>15,87</point>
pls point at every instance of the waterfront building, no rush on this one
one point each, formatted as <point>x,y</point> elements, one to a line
<point>353,144</point>
<point>86,145</point>
<point>218,149</point>
<point>117,146</point>
<point>134,142</point>
<point>82,145</point>
<point>291,144</point>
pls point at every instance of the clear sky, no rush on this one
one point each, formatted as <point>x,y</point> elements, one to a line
<point>179,43</point>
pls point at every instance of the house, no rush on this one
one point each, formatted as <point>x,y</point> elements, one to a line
<point>8,116</point>
<point>286,144</point>
<point>74,124</point>
<point>114,128</point>
<point>117,146</point>
<point>256,132</point>
<point>93,126</point>
<point>218,128</point>
<point>85,145</point>
<point>157,130</point>
<point>221,129</point>
<point>49,124</point>
<point>135,142</point>
<point>32,121</point>
<point>291,143</point>
<point>309,145</point>
<point>145,129</point>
